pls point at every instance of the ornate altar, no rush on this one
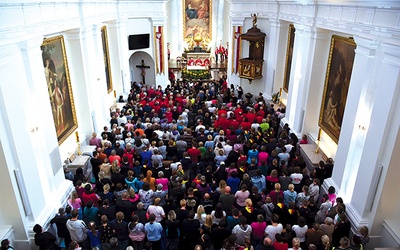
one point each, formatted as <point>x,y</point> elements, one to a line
<point>251,67</point>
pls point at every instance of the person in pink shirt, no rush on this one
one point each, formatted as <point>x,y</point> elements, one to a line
<point>94,141</point>
<point>262,155</point>
<point>162,180</point>
<point>257,235</point>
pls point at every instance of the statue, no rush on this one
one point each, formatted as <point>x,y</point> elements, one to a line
<point>254,16</point>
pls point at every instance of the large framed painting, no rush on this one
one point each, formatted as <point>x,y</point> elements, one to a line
<point>197,19</point>
<point>59,86</point>
<point>289,55</point>
<point>337,80</point>
<point>106,56</point>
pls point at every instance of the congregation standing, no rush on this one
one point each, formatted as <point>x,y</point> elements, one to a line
<point>200,165</point>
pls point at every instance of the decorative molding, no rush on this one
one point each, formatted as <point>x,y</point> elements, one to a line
<point>366,47</point>
<point>391,54</point>
<point>355,218</point>
<point>393,229</point>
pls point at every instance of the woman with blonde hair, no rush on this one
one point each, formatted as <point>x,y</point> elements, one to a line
<point>221,186</point>
<point>295,244</point>
<point>106,168</point>
<point>206,227</point>
<point>326,242</point>
<point>200,214</point>
<point>274,194</point>
<point>107,195</point>
<point>133,196</point>
<point>272,178</point>
<point>172,230</point>
<point>75,202</point>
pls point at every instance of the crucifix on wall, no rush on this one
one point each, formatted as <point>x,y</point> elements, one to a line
<point>142,66</point>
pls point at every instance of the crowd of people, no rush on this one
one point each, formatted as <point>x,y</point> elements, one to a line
<point>199,165</point>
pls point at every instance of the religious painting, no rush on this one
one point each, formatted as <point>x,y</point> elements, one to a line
<point>289,55</point>
<point>106,56</point>
<point>337,80</point>
<point>197,20</point>
<point>58,81</point>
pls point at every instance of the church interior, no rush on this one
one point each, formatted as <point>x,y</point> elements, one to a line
<point>333,65</point>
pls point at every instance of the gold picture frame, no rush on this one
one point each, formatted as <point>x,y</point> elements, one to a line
<point>106,56</point>
<point>197,19</point>
<point>289,56</point>
<point>59,86</point>
<point>337,81</point>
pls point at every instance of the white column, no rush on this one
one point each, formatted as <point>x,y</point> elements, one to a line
<point>120,57</point>
<point>357,115</point>
<point>303,55</point>
<point>12,209</point>
<point>379,120</point>
<point>271,47</point>
<point>218,19</point>
<point>315,87</point>
<point>80,51</point>
<point>175,22</point>
<point>232,77</point>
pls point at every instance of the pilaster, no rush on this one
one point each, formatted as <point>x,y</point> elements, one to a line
<point>271,48</point>
<point>376,133</point>
<point>358,111</point>
<point>120,58</point>
<point>315,86</point>
<point>303,51</point>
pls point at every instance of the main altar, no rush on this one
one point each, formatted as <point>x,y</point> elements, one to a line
<point>198,63</point>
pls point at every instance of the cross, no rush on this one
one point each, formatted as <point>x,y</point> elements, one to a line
<point>142,66</point>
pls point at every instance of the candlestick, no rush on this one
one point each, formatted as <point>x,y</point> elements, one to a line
<point>77,136</point>
<point>319,134</point>
<point>115,93</point>
<point>317,149</point>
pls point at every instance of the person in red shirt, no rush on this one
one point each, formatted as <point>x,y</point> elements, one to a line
<point>259,118</point>
<point>179,99</point>
<point>114,157</point>
<point>238,110</point>
<point>261,112</point>
<point>251,116</point>
<point>157,107</point>
<point>168,115</point>
<point>234,123</point>
<point>239,118</point>
<point>279,244</point>
<point>194,153</point>
<point>223,122</point>
<point>222,111</point>
<point>129,152</point>
<point>246,124</point>
<point>151,92</point>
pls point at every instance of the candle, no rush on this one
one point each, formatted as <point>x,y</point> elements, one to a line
<point>77,136</point>
<point>319,134</point>
<point>115,94</point>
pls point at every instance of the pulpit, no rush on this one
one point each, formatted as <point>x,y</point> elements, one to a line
<point>251,66</point>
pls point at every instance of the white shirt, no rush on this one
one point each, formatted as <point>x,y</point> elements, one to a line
<point>300,232</point>
<point>158,211</point>
<point>272,230</point>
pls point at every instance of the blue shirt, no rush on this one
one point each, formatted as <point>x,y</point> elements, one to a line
<point>94,240</point>
<point>233,182</point>
<point>153,231</point>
